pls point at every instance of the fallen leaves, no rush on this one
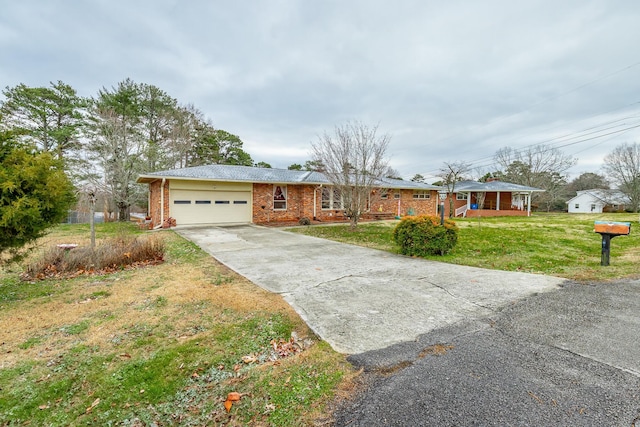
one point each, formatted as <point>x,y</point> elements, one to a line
<point>279,349</point>
<point>435,350</point>
<point>93,405</point>
<point>231,397</point>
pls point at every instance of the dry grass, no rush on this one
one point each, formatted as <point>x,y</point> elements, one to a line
<point>113,253</point>
<point>128,298</point>
<point>130,315</point>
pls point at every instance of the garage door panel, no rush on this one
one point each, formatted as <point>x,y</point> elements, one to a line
<point>210,207</point>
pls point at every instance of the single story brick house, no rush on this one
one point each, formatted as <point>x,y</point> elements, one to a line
<point>219,194</point>
<point>491,198</point>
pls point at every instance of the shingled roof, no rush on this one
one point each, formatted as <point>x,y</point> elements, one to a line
<point>231,173</point>
<point>491,186</point>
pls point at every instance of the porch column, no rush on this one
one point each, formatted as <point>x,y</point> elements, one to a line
<point>497,200</point>
<point>469,200</point>
<point>529,204</point>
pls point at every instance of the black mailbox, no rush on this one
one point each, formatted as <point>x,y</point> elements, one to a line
<point>609,230</point>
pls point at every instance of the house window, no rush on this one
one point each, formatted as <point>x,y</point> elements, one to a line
<point>420,194</point>
<point>280,197</point>
<point>462,196</point>
<point>593,208</point>
<point>203,202</point>
<point>222,202</point>
<point>182,202</point>
<point>331,198</point>
<point>384,194</point>
<point>396,195</point>
<point>577,206</point>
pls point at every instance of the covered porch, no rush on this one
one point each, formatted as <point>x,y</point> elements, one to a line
<point>494,198</point>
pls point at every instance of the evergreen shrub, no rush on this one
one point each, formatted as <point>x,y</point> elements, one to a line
<point>423,235</point>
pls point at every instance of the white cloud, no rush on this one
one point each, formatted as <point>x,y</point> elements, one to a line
<point>449,80</point>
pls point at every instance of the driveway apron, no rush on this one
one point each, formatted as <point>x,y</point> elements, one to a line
<point>359,299</point>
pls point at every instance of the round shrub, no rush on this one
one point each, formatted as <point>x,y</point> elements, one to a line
<point>423,235</point>
<point>304,221</point>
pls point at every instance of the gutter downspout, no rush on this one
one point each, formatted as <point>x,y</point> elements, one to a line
<point>162,201</point>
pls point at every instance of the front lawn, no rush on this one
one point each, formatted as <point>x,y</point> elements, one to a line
<point>562,245</point>
<point>158,345</point>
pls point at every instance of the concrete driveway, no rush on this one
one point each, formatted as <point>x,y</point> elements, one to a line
<point>360,299</point>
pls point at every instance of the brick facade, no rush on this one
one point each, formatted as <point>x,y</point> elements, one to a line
<point>300,203</point>
<point>155,202</point>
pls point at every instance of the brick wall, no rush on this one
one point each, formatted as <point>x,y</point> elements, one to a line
<point>408,204</point>
<point>155,201</point>
<point>300,203</point>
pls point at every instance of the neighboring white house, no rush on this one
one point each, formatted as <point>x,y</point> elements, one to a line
<point>597,201</point>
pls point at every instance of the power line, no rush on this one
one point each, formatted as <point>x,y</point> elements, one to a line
<point>521,150</point>
<point>551,98</point>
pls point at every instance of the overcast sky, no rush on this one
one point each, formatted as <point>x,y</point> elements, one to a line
<point>448,80</point>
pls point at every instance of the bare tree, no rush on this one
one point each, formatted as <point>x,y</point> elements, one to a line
<point>529,166</point>
<point>540,166</point>
<point>117,152</point>
<point>451,173</point>
<point>353,159</point>
<point>623,167</point>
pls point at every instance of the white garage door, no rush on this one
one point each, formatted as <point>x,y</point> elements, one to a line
<point>210,207</point>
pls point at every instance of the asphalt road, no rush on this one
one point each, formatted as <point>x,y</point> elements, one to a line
<point>569,357</point>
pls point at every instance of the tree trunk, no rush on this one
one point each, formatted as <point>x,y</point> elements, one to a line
<point>122,212</point>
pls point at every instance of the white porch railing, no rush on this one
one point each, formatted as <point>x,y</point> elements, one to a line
<point>462,210</point>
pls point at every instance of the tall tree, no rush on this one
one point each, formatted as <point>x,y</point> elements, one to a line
<point>183,133</point>
<point>418,178</point>
<point>216,146</point>
<point>264,165</point>
<point>117,143</point>
<point>157,115</point>
<point>623,167</point>
<point>353,159</point>
<point>35,193</point>
<point>48,117</point>
<point>313,165</point>
<point>452,173</point>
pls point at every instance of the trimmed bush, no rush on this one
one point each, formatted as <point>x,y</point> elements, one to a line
<point>423,235</point>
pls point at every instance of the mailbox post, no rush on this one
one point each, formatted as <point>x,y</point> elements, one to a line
<point>443,196</point>
<point>608,230</point>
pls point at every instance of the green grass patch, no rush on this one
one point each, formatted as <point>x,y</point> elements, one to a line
<point>31,342</point>
<point>556,244</point>
<point>76,328</point>
<point>161,345</point>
